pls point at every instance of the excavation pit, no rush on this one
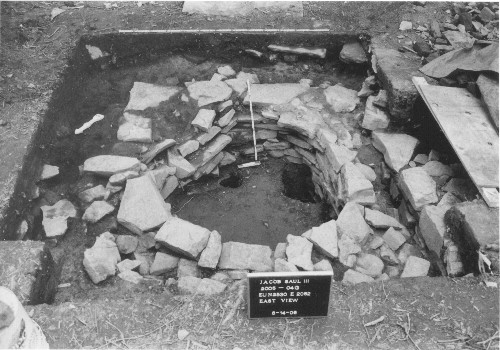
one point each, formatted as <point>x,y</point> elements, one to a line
<point>314,155</point>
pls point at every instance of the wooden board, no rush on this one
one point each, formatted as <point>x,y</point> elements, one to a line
<point>467,127</point>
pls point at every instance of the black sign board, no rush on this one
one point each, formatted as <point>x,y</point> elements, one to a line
<point>289,294</point>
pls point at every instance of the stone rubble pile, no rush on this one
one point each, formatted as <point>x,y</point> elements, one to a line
<point>323,127</point>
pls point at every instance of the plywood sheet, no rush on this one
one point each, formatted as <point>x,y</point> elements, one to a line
<point>466,125</point>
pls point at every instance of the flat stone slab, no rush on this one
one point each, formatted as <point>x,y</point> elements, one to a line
<point>351,223</point>
<point>397,148</point>
<point>205,286</point>
<point>489,95</point>
<point>355,187</point>
<point>281,265</point>
<point>183,167</point>
<point>354,277</point>
<point>210,255</point>
<point>432,227</point>
<point>341,99</point>
<point>207,92</point>
<point>418,187</point>
<point>324,238</point>
<point>142,207</point>
<point>144,95</point>
<point>49,171</point>
<point>96,211</point>
<point>298,252</point>
<point>394,238</point>
<point>95,193</point>
<point>273,94</point>
<point>353,52</point>
<point>188,147</point>
<point>306,124</point>
<point>204,119</point>
<point>378,219</point>
<point>55,218</point>
<point>202,157</point>
<point>157,149</point>
<point>183,237</point>
<point>163,263</point>
<point>415,267</point>
<point>241,256</point>
<point>107,165</point>
<point>100,261</point>
<point>135,129</point>
<point>369,264</point>
<point>374,117</point>
<point>24,267</point>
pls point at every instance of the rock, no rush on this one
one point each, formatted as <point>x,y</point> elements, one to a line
<point>188,284</point>
<point>145,95</point>
<point>353,52</point>
<point>347,247</point>
<point>226,119</point>
<point>435,168</point>
<point>281,265</point>
<point>421,158</point>
<point>341,99</point>
<point>354,277</point>
<point>212,132</point>
<point>188,147</point>
<point>146,260</point>
<point>280,251</point>
<point>355,187</point>
<point>306,125</point>
<point>55,218</point>
<point>452,260</point>
<point>459,40</point>
<point>207,92</point>
<point>184,168</point>
<point>96,211</point>
<point>142,207</point>
<point>128,264</point>
<point>241,256</point>
<point>351,223</point>
<point>237,274</point>
<point>223,105</point>
<point>131,276</point>
<point>324,238</point>
<point>188,268</point>
<point>239,85</point>
<point>212,150</point>
<point>135,129</point>
<point>210,255</point>
<point>163,263</point>
<point>157,149</point>
<point>228,159</point>
<point>473,225</point>
<point>161,174</point>
<point>49,171</point>
<point>374,118</point>
<point>92,194</point>
<point>338,156</point>
<point>376,242</point>
<point>170,185</point>
<point>146,241</point>
<point>221,277</point>
<point>369,265</point>
<point>448,200</point>
<point>388,255</point>
<point>126,244</point>
<point>217,77</point>
<point>276,146</point>
<point>432,227</point>
<point>273,94</point>
<point>435,29</point>
<point>100,260</point>
<point>393,238</point>
<point>397,148</point>
<point>418,187</point>
<point>378,219</point>
<point>204,119</point>
<point>415,267</point>
<point>28,270</point>
<point>226,71</point>
<point>367,171</point>
<point>298,252</point>
<point>487,15</point>
<point>323,265</point>
<point>406,251</point>
<point>107,165</point>
<point>422,48</point>
<point>183,237</point>
<point>405,25</point>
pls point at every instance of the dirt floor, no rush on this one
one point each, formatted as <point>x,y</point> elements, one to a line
<point>426,313</point>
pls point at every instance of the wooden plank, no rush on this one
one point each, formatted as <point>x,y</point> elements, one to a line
<point>466,125</point>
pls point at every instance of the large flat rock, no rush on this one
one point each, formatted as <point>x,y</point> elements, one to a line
<point>210,255</point>
<point>306,124</point>
<point>183,237</point>
<point>432,227</point>
<point>355,187</point>
<point>55,217</point>
<point>142,207</point>
<point>418,187</point>
<point>206,154</point>
<point>397,148</point>
<point>28,270</point>
<point>144,95</point>
<point>107,165</point>
<point>135,128</point>
<point>298,252</point>
<point>324,238</point>
<point>207,92</point>
<point>351,223</point>
<point>241,256</point>
<point>341,99</point>
<point>100,261</point>
<point>273,94</point>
